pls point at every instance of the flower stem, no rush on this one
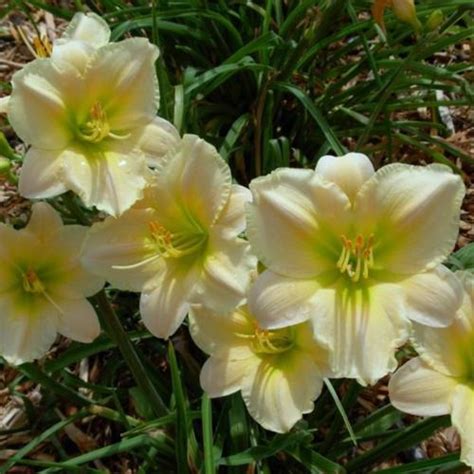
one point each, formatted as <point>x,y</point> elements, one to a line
<point>114,329</point>
<point>119,336</point>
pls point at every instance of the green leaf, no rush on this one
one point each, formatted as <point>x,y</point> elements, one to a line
<point>141,403</point>
<point>233,136</point>
<point>315,462</point>
<point>206,409</point>
<point>449,463</point>
<point>404,439</point>
<point>316,114</point>
<point>463,259</point>
<point>278,443</point>
<point>182,423</point>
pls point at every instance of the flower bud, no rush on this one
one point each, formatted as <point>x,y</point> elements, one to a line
<point>405,11</point>
<point>434,20</point>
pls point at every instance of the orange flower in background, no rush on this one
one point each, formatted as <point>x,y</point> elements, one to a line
<point>404,10</point>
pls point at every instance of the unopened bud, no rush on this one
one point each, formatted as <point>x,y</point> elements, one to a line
<point>434,20</point>
<point>405,11</point>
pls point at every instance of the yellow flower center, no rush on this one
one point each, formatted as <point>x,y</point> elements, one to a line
<point>96,127</point>
<point>357,257</point>
<point>31,282</point>
<point>272,341</point>
<point>176,244</point>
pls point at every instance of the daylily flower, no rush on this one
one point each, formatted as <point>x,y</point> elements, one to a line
<point>89,114</point>
<point>179,245</point>
<point>279,372</point>
<point>358,253</point>
<point>441,380</point>
<point>43,287</point>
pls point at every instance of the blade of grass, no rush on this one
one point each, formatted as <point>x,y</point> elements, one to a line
<point>316,114</point>
<point>315,462</point>
<point>402,440</point>
<point>206,409</point>
<point>41,438</point>
<point>181,424</point>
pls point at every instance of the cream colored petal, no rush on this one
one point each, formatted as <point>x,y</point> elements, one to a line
<point>216,334</point>
<point>462,417</point>
<point>417,389</point>
<point>467,307</point>
<point>447,350</point>
<point>198,177</point>
<point>164,302</point>
<point>41,174</point>
<point>232,220</point>
<point>349,172</point>
<point>363,326</point>
<point>37,109</point>
<point>122,76</point>
<point>318,352</point>
<point>73,53</point>
<point>111,181</point>
<point>295,222</point>
<point>120,250</point>
<point>416,210</point>
<point>70,278</point>
<point>26,331</point>
<point>17,247</point>
<point>278,301</point>
<point>433,297</point>
<point>88,27</point>
<point>226,274</point>
<point>157,139</point>
<point>281,390</point>
<point>78,320</point>
<point>4,104</point>
<point>222,376</point>
<point>44,222</point>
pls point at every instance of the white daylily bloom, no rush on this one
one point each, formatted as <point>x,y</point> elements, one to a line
<point>89,114</point>
<point>441,380</point>
<point>279,372</point>
<point>180,244</point>
<point>43,287</point>
<point>358,252</point>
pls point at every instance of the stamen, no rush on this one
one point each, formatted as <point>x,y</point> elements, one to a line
<point>356,259</point>
<point>272,342</point>
<point>176,244</point>
<point>96,128</point>
<point>31,282</point>
<point>138,264</point>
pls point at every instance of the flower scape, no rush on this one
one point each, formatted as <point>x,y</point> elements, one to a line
<point>305,276</point>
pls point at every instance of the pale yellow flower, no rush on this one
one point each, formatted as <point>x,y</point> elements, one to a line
<point>89,114</point>
<point>358,253</point>
<point>180,244</point>
<point>441,380</point>
<point>279,373</point>
<point>43,287</point>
